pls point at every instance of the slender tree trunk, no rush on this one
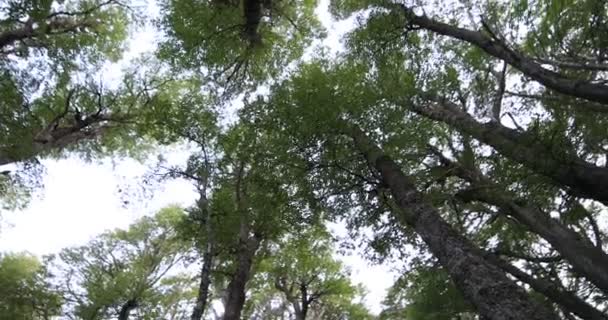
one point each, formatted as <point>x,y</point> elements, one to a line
<point>497,48</point>
<point>482,283</point>
<point>555,292</point>
<point>303,310</point>
<point>205,277</point>
<point>205,282</point>
<point>125,310</point>
<point>587,259</point>
<point>567,171</point>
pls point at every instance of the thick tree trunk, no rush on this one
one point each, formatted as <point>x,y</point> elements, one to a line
<point>125,310</point>
<point>236,287</point>
<point>9,37</point>
<point>51,139</point>
<point>587,259</point>
<point>253,16</point>
<point>482,283</point>
<point>555,292</point>
<point>566,171</point>
<point>497,48</point>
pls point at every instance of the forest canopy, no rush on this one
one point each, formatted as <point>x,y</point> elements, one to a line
<point>465,144</point>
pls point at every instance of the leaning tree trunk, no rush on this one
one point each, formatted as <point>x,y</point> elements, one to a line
<point>566,171</point>
<point>496,47</point>
<point>482,283</point>
<point>555,292</point>
<point>587,260</point>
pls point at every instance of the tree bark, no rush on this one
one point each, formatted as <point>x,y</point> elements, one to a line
<point>498,49</point>
<point>482,283</point>
<point>565,171</point>
<point>587,259</point>
<point>555,292</point>
<point>125,310</point>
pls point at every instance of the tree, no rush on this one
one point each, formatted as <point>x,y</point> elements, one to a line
<point>473,134</point>
<point>239,44</point>
<point>307,276</point>
<point>462,259</point>
<point>25,289</point>
<point>124,271</point>
<point>257,202</point>
<point>47,109</point>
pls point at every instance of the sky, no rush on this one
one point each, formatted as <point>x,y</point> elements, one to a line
<point>82,199</point>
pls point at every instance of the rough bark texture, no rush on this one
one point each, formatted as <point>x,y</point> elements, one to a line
<point>482,283</point>
<point>497,48</point>
<point>580,177</point>
<point>553,291</point>
<point>125,310</point>
<point>587,259</point>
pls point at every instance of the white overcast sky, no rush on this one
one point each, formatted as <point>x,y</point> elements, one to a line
<point>81,200</point>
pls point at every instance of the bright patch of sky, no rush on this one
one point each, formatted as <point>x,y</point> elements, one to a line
<point>81,199</point>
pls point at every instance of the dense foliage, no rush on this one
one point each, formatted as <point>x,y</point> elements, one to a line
<point>463,142</point>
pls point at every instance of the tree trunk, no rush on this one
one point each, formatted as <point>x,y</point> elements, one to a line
<point>555,292</point>
<point>52,139</point>
<point>205,280</point>
<point>247,247</point>
<point>304,303</point>
<point>253,16</point>
<point>203,288</point>
<point>586,259</point>
<point>125,310</point>
<point>566,171</point>
<point>236,287</point>
<point>497,48</point>
<point>485,285</point>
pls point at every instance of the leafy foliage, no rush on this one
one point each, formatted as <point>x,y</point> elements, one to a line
<point>26,291</point>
